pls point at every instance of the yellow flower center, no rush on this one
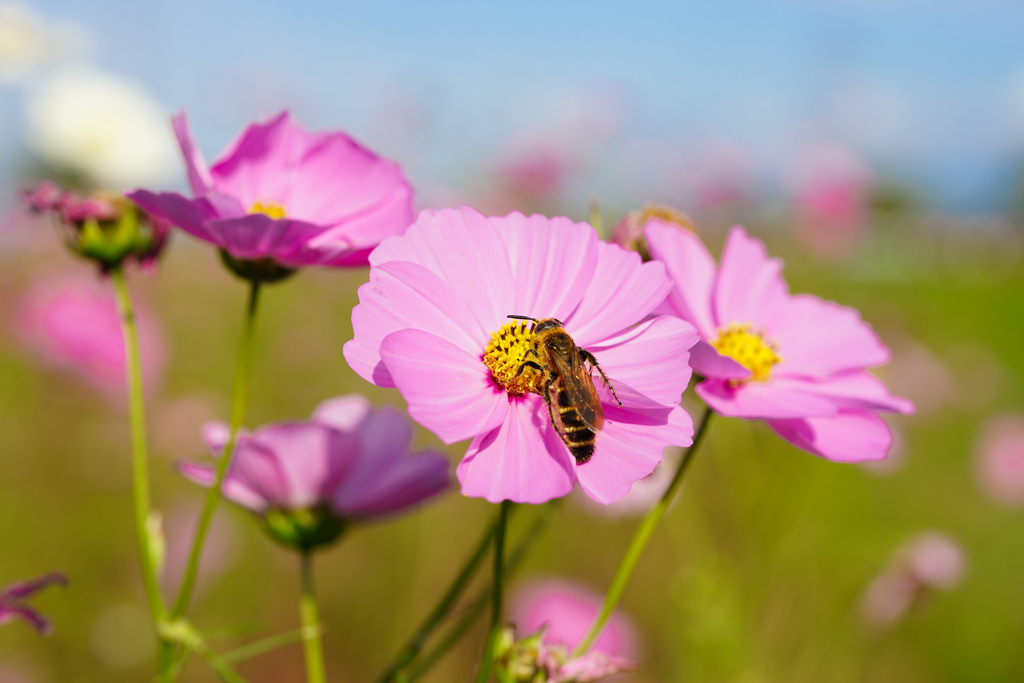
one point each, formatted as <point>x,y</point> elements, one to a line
<point>270,208</point>
<point>505,354</point>
<point>749,349</point>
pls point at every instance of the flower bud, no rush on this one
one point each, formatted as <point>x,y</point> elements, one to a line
<point>629,231</point>
<point>104,227</point>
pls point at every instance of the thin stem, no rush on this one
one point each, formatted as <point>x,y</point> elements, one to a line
<point>268,644</point>
<point>496,593</point>
<point>140,459</point>
<point>477,605</point>
<point>414,645</point>
<point>239,399</point>
<point>636,547</point>
<point>315,672</point>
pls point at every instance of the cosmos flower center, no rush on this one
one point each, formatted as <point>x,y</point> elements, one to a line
<point>269,208</point>
<point>750,349</point>
<point>504,356</point>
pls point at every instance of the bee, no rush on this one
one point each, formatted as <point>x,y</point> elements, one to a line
<point>567,387</point>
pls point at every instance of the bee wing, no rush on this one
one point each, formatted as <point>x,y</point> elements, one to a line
<point>579,387</point>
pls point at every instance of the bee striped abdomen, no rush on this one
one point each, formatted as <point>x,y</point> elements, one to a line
<point>577,436</point>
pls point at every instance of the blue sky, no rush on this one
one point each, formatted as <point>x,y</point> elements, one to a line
<point>925,90</point>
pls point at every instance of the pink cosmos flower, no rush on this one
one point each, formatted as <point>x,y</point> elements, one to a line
<point>557,614</point>
<point>797,362</point>
<point>12,605</point>
<point>73,322</point>
<point>999,459</point>
<point>280,193</point>
<point>348,463</point>
<point>433,322</point>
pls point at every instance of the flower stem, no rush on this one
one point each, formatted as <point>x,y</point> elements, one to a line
<point>239,399</point>
<point>315,672</point>
<point>140,457</point>
<point>414,645</point>
<point>424,662</point>
<point>497,590</point>
<point>636,547</point>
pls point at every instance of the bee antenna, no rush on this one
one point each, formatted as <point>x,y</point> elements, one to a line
<point>521,317</point>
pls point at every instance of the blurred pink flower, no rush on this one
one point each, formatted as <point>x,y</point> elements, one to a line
<point>73,322</point>
<point>830,187</point>
<point>797,362</point>
<point>629,231</point>
<point>556,615</point>
<point>999,459</point>
<point>931,561</point>
<point>280,193</point>
<point>433,322</point>
<point>12,605</point>
<point>348,463</point>
<point>568,610</point>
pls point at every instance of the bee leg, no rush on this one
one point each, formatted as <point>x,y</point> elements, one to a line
<point>528,364</point>
<point>589,357</point>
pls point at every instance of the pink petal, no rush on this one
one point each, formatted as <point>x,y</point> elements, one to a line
<point>216,435</point>
<point>344,413</point>
<point>257,235</point>
<point>523,460</point>
<point>335,179</point>
<point>706,361</point>
<point>408,480</point>
<point>188,214</point>
<point>749,288</point>
<point>449,391</point>
<point>651,358</point>
<point>623,291</point>
<point>692,270</point>
<point>234,489</point>
<point>310,458</point>
<point>198,174</point>
<point>856,390</point>
<point>390,215</point>
<point>464,249</point>
<point>255,166</point>
<point>260,470</point>
<point>630,446</point>
<point>850,436</point>
<point>818,337</point>
<point>402,295</point>
<point>763,400</point>
<point>553,262</point>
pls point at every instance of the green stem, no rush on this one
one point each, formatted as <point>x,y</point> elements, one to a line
<point>239,399</point>
<point>496,593</point>
<point>414,645</point>
<point>268,644</point>
<point>423,664</point>
<point>315,672</point>
<point>140,461</point>
<point>636,547</point>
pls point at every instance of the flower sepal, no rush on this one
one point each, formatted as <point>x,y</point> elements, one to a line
<point>304,529</point>
<point>262,271</point>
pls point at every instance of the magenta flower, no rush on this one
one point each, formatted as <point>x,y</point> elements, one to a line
<point>432,321</point>
<point>797,362</point>
<point>309,479</point>
<point>556,615</point>
<point>568,610</point>
<point>73,322</point>
<point>999,459</point>
<point>280,193</point>
<point>12,605</point>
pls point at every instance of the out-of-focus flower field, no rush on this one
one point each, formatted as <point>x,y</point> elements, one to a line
<point>773,565</point>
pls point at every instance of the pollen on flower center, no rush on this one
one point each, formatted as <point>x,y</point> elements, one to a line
<point>504,356</point>
<point>270,208</point>
<point>740,342</point>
